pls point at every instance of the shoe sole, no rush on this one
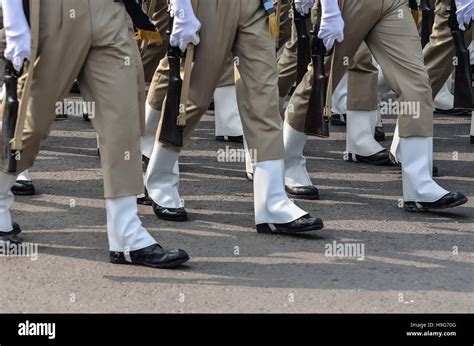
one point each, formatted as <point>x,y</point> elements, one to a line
<point>386,162</point>
<point>19,193</point>
<point>415,209</point>
<point>171,265</point>
<point>176,219</point>
<point>305,197</point>
<point>265,229</point>
<point>13,239</point>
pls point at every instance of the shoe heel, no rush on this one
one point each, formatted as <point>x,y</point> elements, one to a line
<point>264,228</point>
<point>411,207</point>
<point>117,258</point>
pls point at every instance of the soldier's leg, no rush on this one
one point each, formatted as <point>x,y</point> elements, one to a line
<point>23,185</point>
<point>211,55</point>
<point>295,114</point>
<point>362,111</point>
<point>258,101</point>
<point>440,51</point>
<point>153,105</point>
<point>228,125</point>
<point>56,32</point>
<point>339,103</point>
<point>401,60</point>
<point>110,83</point>
<point>153,53</point>
<point>287,64</point>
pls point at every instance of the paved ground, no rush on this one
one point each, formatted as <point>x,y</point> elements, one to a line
<point>413,262</point>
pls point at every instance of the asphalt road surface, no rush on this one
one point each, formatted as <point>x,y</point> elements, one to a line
<point>405,262</point>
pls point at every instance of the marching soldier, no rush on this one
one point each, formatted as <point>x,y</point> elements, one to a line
<point>241,28</point>
<point>440,51</point>
<point>24,185</point>
<point>95,46</point>
<point>394,41</point>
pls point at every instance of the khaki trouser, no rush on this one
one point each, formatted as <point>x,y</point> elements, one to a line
<point>159,83</point>
<point>239,28</point>
<point>389,31</point>
<point>440,51</point>
<point>153,53</point>
<point>96,47</point>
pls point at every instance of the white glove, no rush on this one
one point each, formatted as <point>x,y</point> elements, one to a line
<point>304,6</point>
<point>332,24</point>
<point>464,13</point>
<point>17,33</point>
<point>186,26</point>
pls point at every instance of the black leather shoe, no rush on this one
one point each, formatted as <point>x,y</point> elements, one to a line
<point>305,223</point>
<point>303,192</point>
<point>170,214</point>
<point>338,119</point>
<point>152,256</point>
<point>23,188</point>
<point>235,139</point>
<point>379,135</point>
<point>12,236</point>
<point>144,199</point>
<point>450,200</point>
<point>381,158</point>
<point>454,112</point>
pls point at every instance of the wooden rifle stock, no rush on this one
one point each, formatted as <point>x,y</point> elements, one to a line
<point>303,45</point>
<point>170,132</point>
<point>427,21</point>
<point>463,88</point>
<point>317,122</point>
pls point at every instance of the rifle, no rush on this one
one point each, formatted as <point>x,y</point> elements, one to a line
<point>427,21</point>
<point>463,88</point>
<point>304,49</point>
<point>317,117</point>
<point>174,113</point>
<point>10,116</point>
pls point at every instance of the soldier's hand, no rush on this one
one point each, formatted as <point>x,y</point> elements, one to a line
<point>186,26</point>
<point>464,13</point>
<point>304,6</point>
<point>17,33</point>
<point>332,24</point>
